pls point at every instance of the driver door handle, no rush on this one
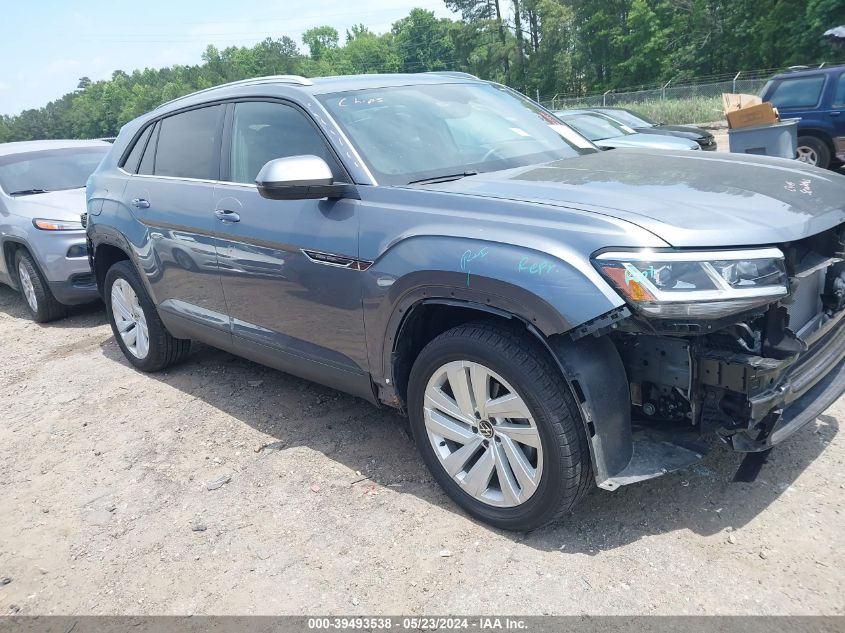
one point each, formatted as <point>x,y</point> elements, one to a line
<point>227,216</point>
<point>140,203</point>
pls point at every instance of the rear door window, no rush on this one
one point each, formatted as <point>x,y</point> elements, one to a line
<point>801,92</point>
<point>189,144</point>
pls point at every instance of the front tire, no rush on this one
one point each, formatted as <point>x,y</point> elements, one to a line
<point>498,427</point>
<point>135,322</point>
<point>43,306</point>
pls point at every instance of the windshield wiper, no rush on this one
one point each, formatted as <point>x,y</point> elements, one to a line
<point>28,192</point>
<point>446,178</point>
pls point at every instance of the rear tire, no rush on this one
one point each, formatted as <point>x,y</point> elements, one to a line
<point>537,416</point>
<point>813,151</point>
<point>39,300</point>
<point>135,322</point>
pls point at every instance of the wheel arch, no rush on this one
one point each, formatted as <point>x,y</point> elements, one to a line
<point>822,135</point>
<point>591,366</point>
<point>425,318</point>
<point>108,246</point>
<point>105,256</point>
<point>11,245</point>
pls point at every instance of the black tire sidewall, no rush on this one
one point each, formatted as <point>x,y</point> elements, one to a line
<point>124,270</point>
<point>543,504</point>
<point>49,308</point>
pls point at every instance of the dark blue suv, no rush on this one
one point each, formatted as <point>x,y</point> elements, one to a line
<point>817,97</point>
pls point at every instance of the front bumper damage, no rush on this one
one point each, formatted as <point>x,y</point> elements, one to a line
<point>780,396</point>
<point>751,380</point>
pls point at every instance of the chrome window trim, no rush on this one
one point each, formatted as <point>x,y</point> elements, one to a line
<point>180,178</point>
<point>345,139</point>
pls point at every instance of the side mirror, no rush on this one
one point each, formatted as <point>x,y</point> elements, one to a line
<point>299,178</point>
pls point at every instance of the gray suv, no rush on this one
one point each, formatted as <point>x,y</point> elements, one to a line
<point>548,316</point>
<point>42,240</point>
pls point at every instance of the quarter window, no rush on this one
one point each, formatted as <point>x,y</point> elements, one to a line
<point>798,93</point>
<point>131,162</point>
<point>839,99</point>
<point>263,130</point>
<point>148,161</point>
<point>188,144</point>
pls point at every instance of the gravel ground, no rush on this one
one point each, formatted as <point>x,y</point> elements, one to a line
<point>106,507</point>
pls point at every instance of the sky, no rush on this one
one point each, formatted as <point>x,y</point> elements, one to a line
<point>47,45</point>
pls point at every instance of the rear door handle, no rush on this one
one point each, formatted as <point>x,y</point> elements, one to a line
<point>834,114</point>
<point>227,216</point>
<point>140,203</point>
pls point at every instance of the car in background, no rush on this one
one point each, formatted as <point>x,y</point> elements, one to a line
<point>42,240</point>
<point>609,134</point>
<point>817,97</point>
<point>643,125</point>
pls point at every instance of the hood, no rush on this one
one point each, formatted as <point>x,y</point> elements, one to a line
<point>654,141</point>
<point>688,199</point>
<point>67,204</point>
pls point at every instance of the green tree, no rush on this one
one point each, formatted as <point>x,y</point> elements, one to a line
<point>320,40</point>
<point>423,42</point>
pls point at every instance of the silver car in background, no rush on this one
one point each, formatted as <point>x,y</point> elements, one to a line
<point>42,240</point>
<point>610,134</point>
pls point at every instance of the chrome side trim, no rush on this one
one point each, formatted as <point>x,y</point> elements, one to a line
<point>335,260</point>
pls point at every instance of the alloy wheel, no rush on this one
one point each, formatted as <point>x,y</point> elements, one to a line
<point>483,433</point>
<point>27,287</point>
<point>130,319</point>
<point>808,155</point>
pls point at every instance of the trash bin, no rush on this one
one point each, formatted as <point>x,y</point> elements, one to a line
<point>778,139</point>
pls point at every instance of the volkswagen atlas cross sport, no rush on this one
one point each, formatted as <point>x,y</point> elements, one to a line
<point>42,241</point>
<point>549,316</point>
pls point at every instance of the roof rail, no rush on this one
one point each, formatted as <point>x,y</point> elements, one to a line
<point>270,79</point>
<point>451,73</point>
<point>823,65</point>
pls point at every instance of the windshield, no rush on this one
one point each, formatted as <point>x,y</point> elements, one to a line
<point>594,126</point>
<point>629,118</point>
<point>49,170</point>
<point>412,133</point>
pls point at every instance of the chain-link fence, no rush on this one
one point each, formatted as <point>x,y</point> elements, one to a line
<point>748,82</point>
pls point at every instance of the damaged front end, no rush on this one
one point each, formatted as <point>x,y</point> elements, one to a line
<point>745,344</point>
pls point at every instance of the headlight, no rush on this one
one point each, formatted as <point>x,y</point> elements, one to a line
<point>57,225</point>
<point>703,285</point>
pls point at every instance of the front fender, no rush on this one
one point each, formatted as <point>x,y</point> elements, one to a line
<point>553,294</point>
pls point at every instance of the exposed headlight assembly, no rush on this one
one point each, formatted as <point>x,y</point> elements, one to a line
<point>56,225</point>
<point>700,285</point>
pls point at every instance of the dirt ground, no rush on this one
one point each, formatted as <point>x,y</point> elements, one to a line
<point>105,505</point>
